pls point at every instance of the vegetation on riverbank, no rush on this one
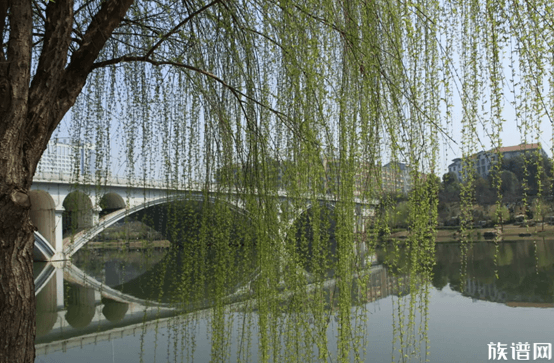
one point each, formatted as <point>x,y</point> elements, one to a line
<point>509,232</point>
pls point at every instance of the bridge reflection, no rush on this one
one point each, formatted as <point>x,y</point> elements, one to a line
<point>75,309</point>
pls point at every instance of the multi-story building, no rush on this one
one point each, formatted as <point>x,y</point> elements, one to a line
<point>64,155</point>
<point>395,177</point>
<point>483,161</point>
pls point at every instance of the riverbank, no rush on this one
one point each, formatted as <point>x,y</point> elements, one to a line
<point>122,244</point>
<point>509,232</point>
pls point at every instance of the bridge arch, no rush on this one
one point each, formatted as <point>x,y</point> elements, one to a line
<point>78,213</point>
<point>83,237</point>
<point>311,232</point>
<point>42,214</point>
<point>111,202</point>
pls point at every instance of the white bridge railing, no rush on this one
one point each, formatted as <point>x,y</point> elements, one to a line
<point>116,180</point>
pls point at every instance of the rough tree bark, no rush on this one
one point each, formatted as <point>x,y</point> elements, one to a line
<point>17,298</point>
<point>28,117</point>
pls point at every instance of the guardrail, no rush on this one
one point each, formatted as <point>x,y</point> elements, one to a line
<point>87,179</point>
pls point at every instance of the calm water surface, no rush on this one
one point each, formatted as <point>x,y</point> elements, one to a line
<point>104,308</point>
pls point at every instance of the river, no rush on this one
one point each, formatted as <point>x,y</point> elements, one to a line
<point>133,314</point>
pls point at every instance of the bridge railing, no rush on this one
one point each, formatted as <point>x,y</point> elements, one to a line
<point>87,179</point>
<point>53,176</point>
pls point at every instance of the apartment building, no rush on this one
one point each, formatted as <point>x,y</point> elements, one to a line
<point>64,155</point>
<point>483,161</point>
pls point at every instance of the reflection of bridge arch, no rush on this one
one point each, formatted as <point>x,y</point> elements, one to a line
<point>43,250</point>
<point>118,315</point>
<point>77,304</point>
<point>82,238</point>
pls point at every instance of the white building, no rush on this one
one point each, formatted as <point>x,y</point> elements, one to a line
<point>483,161</point>
<point>68,156</point>
<point>396,177</point>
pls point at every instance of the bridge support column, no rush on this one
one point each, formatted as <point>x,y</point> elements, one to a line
<point>96,215</point>
<point>58,236</point>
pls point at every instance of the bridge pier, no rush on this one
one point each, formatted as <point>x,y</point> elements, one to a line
<point>95,215</point>
<point>58,235</point>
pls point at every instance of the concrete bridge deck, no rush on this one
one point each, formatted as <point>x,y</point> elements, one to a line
<point>57,200</point>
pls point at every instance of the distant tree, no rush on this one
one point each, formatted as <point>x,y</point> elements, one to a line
<point>484,194</point>
<point>241,174</point>
<point>510,187</point>
<point>529,161</point>
<point>449,178</point>
<point>433,184</point>
<point>499,218</point>
<point>541,209</point>
<point>450,188</point>
<point>399,215</point>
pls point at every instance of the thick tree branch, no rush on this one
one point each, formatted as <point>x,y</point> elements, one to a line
<point>55,88</point>
<point>97,34</point>
<point>99,31</point>
<point>15,74</point>
<point>57,33</point>
<point>53,58</point>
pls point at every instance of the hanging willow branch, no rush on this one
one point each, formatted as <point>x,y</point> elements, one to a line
<point>290,115</point>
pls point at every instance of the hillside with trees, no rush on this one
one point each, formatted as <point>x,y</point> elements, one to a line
<point>525,188</point>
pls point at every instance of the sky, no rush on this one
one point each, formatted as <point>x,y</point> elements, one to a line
<point>450,147</point>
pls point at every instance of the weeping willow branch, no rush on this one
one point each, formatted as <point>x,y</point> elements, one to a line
<point>179,26</point>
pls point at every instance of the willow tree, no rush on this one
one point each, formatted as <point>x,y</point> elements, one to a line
<point>330,89</point>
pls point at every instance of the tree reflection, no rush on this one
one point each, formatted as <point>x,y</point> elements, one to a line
<point>525,272</point>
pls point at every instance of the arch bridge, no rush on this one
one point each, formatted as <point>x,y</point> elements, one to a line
<point>80,212</point>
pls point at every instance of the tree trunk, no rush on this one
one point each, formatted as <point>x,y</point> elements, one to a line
<point>29,113</point>
<point>17,290</point>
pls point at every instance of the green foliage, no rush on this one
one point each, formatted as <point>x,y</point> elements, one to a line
<point>537,170</point>
<point>450,191</point>
<point>399,216</point>
<point>501,216</point>
<point>510,186</point>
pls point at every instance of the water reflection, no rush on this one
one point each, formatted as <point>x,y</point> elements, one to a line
<point>133,308</point>
<point>81,305</point>
<point>525,272</point>
<point>47,302</point>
